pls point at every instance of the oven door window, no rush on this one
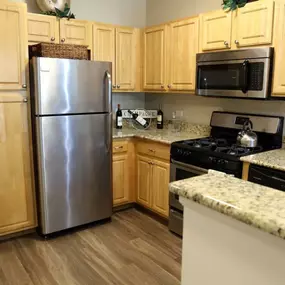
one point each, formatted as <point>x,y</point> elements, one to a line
<point>243,76</point>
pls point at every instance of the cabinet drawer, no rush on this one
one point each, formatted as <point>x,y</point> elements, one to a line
<point>119,147</point>
<point>154,149</point>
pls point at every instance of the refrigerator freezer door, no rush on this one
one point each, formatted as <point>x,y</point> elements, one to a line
<point>74,170</point>
<point>66,86</point>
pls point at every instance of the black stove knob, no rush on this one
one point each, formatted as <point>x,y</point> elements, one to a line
<point>222,161</point>
<point>213,159</point>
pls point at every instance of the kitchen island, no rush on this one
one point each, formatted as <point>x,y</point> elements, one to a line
<point>234,231</point>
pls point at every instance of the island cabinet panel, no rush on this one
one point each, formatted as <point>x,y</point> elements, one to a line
<point>13,46</point>
<point>216,30</point>
<point>16,188</point>
<point>184,45</point>
<point>154,49</point>
<point>254,24</point>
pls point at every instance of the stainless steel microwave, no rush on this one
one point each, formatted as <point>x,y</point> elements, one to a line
<point>241,73</point>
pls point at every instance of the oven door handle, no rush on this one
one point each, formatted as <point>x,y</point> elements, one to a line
<point>187,167</point>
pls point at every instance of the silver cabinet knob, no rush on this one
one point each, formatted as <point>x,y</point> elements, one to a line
<point>226,43</point>
<point>162,86</point>
<point>24,85</point>
<point>25,100</point>
<point>169,86</point>
<point>114,86</point>
<point>62,40</point>
<point>236,42</point>
<point>52,39</point>
<point>118,86</point>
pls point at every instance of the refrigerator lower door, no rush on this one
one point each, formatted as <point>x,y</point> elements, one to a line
<point>74,170</point>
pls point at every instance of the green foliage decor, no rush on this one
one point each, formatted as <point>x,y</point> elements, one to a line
<point>66,13</point>
<point>231,5</point>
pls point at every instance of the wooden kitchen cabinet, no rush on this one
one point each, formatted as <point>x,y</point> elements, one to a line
<point>153,176</point>
<point>42,28</point>
<point>279,44</point>
<point>144,177</point>
<point>216,30</point>
<point>184,45</point>
<point>160,182</point>
<point>154,50</point>
<point>76,32</point>
<point>253,24</point>
<point>120,46</point>
<point>17,201</point>
<point>14,45</point>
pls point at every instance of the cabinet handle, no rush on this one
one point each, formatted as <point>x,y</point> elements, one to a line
<point>118,147</point>
<point>62,40</point>
<point>162,86</point>
<point>52,39</point>
<point>119,86</point>
<point>169,86</point>
<point>226,43</point>
<point>236,42</point>
<point>24,85</point>
<point>151,150</point>
<point>25,100</point>
<point>114,86</point>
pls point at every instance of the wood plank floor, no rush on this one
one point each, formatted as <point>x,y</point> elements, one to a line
<point>132,249</point>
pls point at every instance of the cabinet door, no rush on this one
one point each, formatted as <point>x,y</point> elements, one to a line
<point>42,28</point>
<point>75,32</point>
<point>16,193</point>
<point>183,49</point>
<point>104,45</point>
<point>13,45</point>
<point>159,188</point>
<point>254,24</point>
<point>216,29</point>
<point>125,58</point>
<point>143,181</point>
<point>120,179</point>
<point>155,58</point>
<point>279,44</point>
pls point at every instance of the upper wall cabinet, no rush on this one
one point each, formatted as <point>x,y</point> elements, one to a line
<point>119,46</point>
<point>42,28</point>
<point>75,32</point>
<point>254,24</point>
<point>279,44</point>
<point>154,47</point>
<point>184,46</point>
<point>216,30</point>
<point>13,45</point>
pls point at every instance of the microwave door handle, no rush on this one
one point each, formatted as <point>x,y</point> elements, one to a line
<point>244,77</point>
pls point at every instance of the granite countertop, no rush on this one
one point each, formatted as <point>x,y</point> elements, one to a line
<point>253,204</point>
<point>163,136</point>
<point>273,159</point>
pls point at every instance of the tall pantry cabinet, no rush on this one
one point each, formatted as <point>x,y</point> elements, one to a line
<point>16,187</point>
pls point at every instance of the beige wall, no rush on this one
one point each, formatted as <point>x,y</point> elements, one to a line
<point>159,11</point>
<point>120,12</point>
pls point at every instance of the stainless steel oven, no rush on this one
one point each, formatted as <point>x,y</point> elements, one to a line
<point>180,171</point>
<point>241,73</point>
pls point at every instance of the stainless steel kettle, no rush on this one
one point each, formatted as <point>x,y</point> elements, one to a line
<point>246,136</point>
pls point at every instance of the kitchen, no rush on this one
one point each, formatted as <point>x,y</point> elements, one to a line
<point>142,79</point>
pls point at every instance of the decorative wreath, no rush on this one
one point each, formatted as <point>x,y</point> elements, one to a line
<point>58,8</point>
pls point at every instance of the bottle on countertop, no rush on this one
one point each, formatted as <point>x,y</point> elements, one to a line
<point>159,118</point>
<point>119,118</point>
<point>139,119</point>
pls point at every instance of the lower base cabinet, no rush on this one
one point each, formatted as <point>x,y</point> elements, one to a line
<point>152,184</point>
<point>17,203</point>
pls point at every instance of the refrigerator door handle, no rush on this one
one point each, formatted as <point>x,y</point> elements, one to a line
<point>108,78</point>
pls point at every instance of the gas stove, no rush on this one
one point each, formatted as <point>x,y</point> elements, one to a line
<point>220,151</point>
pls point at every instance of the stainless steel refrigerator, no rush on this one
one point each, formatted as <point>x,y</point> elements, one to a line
<point>72,135</point>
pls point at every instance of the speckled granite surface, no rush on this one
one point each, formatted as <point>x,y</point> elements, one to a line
<point>253,204</point>
<point>273,159</point>
<point>162,136</point>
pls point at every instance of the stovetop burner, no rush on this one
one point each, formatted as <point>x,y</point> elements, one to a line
<point>237,150</point>
<point>207,143</point>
